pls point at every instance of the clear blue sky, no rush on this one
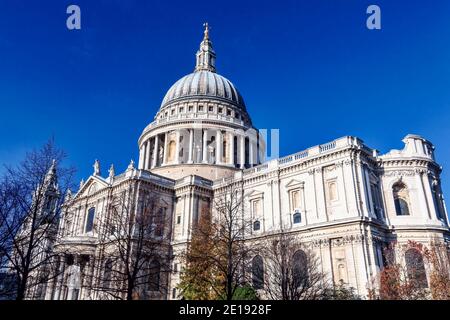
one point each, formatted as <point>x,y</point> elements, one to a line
<point>310,68</point>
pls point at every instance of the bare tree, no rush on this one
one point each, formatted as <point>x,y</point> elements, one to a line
<point>292,269</point>
<point>134,246</point>
<point>30,205</point>
<point>227,253</point>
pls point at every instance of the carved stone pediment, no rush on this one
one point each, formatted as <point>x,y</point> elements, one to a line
<point>295,184</point>
<point>92,185</point>
<point>255,194</point>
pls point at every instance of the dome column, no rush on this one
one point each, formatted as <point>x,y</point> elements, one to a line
<point>177,147</point>
<point>191,145</point>
<point>205,145</point>
<point>155,152</point>
<point>219,144</point>
<point>164,161</point>
<point>231,149</point>
<point>242,153</point>
<point>141,157</point>
<point>147,155</point>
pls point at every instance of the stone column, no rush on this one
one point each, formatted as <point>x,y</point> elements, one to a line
<point>428,195</point>
<point>242,155</point>
<point>421,193</point>
<point>155,152</point>
<point>165,149</point>
<point>205,146</point>
<point>362,187</point>
<point>219,147</point>
<point>147,156</point>
<point>191,145</point>
<point>231,149</point>
<point>141,157</point>
<point>177,147</point>
<point>251,155</point>
<point>369,192</point>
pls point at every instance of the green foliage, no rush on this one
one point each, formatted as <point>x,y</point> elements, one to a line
<point>341,292</point>
<point>243,293</point>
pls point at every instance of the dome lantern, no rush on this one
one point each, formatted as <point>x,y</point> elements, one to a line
<point>206,57</point>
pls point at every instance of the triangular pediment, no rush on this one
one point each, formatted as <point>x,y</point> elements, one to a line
<point>255,194</point>
<point>92,185</point>
<point>294,183</point>
<point>163,203</point>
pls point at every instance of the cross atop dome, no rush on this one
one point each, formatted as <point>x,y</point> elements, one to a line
<point>206,32</point>
<point>206,57</point>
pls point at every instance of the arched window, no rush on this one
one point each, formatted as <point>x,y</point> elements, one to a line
<point>90,220</point>
<point>297,217</point>
<point>256,225</point>
<point>258,272</point>
<point>416,268</point>
<point>300,269</point>
<point>401,199</point>
<point>154,277</point>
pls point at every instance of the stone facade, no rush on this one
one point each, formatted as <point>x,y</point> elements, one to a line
<point>343,198</point>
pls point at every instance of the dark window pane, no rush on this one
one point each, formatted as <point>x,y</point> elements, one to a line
<point>258,272</point>
<point>300,269</point>
<point>154,278</point>
<point>297,217</point>
<point>416,268</point>
<point>90,220</point>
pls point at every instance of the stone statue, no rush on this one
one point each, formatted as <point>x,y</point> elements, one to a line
<point>131,165</point>
<point>81,183</point>
<point>96,168</point>
<point>111,172</point>
<point>68,196</point>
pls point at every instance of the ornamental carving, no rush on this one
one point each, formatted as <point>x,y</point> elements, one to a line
<point>337,242</point>
<point>400,173</point>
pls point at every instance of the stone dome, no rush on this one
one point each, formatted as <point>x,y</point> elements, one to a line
<point>204,84</point>
<point>202,127</point>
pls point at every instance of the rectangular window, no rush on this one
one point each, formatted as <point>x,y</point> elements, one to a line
<point>178,219</point>
<point>159,222</point>
<point>90,220</point>
<point>220,109</point>
<point>375,199</point>
<point>200,108</point>
<point>191,108</point>
<point>181,110</point>
<point>210,108</point>
<point>228,112</point>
